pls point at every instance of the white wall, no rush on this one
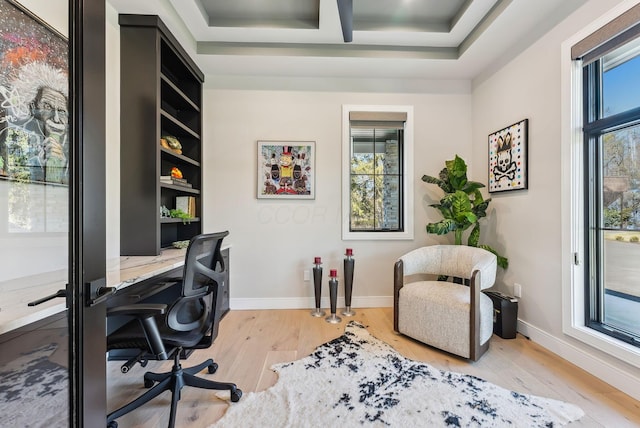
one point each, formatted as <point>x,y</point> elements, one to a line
<point>274,241</point>
<point>528,222</point>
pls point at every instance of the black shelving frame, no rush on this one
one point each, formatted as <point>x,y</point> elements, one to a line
<point>160,94</point>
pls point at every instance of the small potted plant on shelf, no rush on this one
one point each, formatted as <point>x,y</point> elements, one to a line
<point>462,206</point>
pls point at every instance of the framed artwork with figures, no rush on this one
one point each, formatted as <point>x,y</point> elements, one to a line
<point>34,94</point>
<point>286,170</point>
<point>508,163</point>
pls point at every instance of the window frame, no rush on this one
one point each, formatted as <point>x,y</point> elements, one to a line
<point>574,292</point>
<point>407,175</point>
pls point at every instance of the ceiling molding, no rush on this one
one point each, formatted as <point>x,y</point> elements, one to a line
<point>326,50</point>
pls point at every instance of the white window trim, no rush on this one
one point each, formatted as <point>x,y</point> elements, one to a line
<point>407,166</point>
<point>572,184</point>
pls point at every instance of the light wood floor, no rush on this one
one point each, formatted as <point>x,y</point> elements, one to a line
<point>249,342</point>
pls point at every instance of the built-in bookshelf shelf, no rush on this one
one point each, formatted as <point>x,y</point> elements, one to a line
<point>156,69</point>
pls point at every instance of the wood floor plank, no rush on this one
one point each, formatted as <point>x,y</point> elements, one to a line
<point>250,342</point>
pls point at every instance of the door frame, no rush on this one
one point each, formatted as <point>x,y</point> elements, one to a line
<point>87,237</point>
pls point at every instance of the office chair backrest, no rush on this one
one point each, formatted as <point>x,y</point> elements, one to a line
<point>203,278</point>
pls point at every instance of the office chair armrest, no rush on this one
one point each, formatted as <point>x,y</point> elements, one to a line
<point>146,313</point>
<point>140,310</point>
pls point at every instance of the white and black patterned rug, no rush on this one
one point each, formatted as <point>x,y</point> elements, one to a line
<point>358,380</point>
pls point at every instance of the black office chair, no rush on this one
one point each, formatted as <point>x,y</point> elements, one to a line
<point>191,322</point>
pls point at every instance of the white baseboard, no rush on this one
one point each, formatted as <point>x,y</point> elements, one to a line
<point>307,302</point>
<point>626,381</point>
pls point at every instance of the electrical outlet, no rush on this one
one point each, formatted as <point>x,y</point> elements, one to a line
<point>517,290</point>
<point>306,275</point>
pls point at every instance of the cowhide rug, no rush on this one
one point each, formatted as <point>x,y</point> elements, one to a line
<point>358,380</point>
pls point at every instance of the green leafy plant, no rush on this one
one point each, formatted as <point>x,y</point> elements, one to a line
<point>462,206</point>
<point>186,218</point>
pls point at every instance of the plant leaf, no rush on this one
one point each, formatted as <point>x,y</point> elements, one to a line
<point>442,227</point>
<point>444,210</point>
<point>474,236</point>
<point>472,186</point>
<point>457,169</point>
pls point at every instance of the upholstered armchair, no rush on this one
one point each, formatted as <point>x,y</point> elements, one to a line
<point>457,318</point>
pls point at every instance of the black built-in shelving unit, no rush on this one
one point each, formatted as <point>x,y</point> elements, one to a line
<point>160,94</point>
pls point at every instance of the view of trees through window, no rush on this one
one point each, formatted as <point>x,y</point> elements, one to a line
<point>621,179</point>
<point>375,179</point>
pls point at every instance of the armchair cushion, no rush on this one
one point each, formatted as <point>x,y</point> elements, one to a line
<point>437,313</point>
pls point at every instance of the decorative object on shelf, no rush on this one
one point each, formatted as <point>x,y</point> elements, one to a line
<point>186,204</point>
<point>333,297</point>
<point>186,218</point>
<point>180,244</point>
<point>317,286</point>
<point>170,142</point>
<point>167,179</point>
<point>34,82</point>
<point>348,282</point>
<point>164,212</point>
<point>508,167</point>
<point>462,206</point>
<point>286,169</point>
<point>176,173</point>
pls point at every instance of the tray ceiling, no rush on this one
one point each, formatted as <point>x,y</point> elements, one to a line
<point>427,39</point>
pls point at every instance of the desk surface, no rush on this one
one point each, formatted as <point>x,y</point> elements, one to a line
<point>121,273</point>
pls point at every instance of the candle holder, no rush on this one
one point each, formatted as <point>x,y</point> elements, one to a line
<point>348,282</point>
<point>333,296</point>
<point>317,287</point>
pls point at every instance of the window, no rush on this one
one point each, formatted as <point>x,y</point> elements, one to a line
<point>610,171</point>
<point>377,173</point>
<point>612,212</point>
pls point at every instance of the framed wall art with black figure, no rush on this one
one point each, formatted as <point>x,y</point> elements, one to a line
<point>34,93</point>
<point>508,163</point>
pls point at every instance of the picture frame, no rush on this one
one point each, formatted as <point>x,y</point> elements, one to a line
<point>286,170</point>
<point>508,158</point>
<point>34,97</point>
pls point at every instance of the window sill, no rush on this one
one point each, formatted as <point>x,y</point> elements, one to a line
<point>377,236</point>
<point>610,345</point>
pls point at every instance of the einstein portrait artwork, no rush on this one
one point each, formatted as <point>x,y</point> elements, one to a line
<point>285,170</point>
<point>508,158</point>
<point>34,92</point>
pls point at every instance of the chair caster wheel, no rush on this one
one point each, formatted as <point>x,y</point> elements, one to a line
<point>148,383</point>
<point>212,368</point>
<point>235,395</point>
<point>112,424</point>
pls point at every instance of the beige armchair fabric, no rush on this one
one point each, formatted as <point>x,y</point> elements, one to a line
<point>453,317</point>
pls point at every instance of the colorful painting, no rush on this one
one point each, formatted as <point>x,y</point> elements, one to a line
<point>508,158</point>
<point>286,170</point>
<point>34,93</point>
